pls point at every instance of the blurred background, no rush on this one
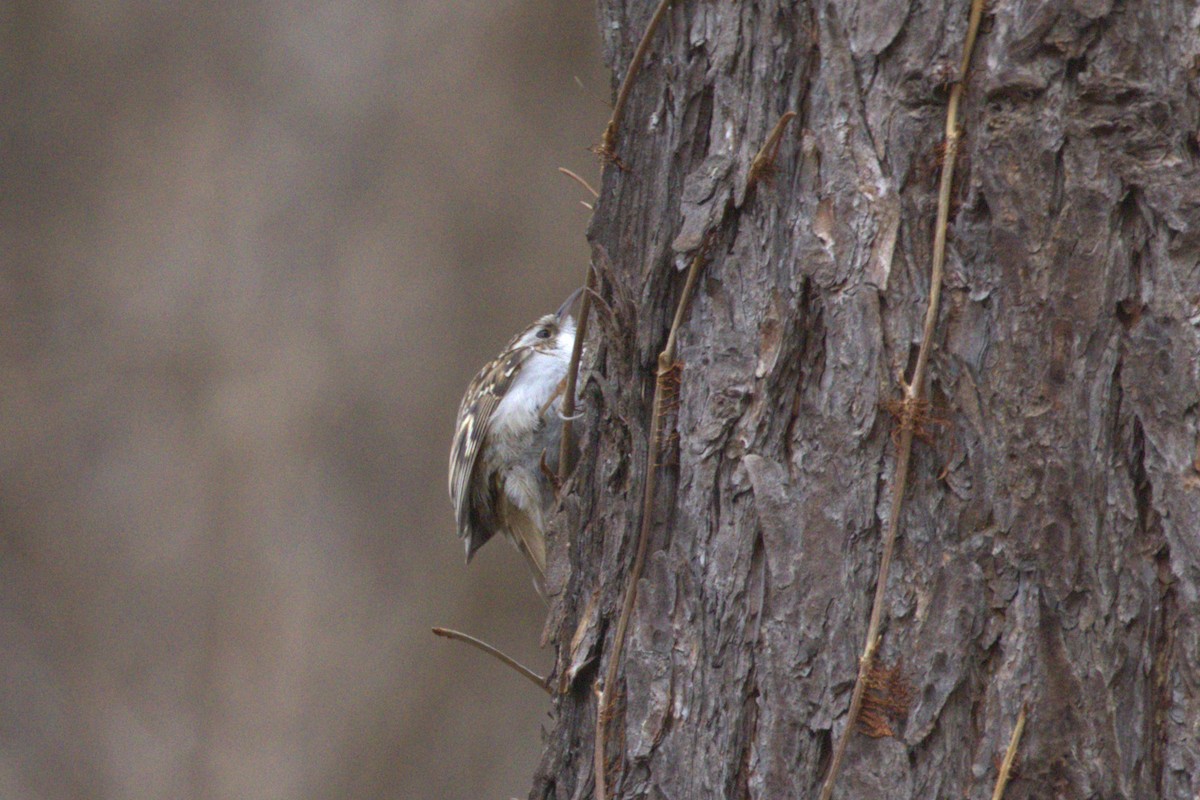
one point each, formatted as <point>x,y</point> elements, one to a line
<point>252,253</point>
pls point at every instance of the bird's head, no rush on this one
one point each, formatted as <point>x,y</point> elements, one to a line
<point>553,333</point>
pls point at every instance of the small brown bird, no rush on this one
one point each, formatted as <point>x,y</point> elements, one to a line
<point>508,434</point>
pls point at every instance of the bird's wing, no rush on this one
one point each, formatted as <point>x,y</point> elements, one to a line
<point>530,541</point>
<point>474,421</point>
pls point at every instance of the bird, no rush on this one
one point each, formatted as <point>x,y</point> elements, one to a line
<point>507,438</point>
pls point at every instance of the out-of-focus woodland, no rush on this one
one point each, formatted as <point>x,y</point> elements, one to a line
<point>252,254</point>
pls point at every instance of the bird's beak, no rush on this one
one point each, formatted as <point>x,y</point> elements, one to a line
<point>564,310</point>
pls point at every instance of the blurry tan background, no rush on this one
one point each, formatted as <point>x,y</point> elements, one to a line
<point>252,253</point>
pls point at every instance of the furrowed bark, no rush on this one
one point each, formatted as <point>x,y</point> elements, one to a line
<point>1047,551</point>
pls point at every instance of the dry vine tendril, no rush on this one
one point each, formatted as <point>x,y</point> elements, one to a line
<point>914,396</point>
<point>666,400</point>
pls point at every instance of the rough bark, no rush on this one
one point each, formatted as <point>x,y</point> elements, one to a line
<point>1050,543</point>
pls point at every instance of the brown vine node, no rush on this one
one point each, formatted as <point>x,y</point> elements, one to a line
<point>671,380</point>
<point>886,700</point>
<point>934,160</point>
<point>939,154</point>
<point>669,384</point>
<point>913,415</point>
<point>608,155</point>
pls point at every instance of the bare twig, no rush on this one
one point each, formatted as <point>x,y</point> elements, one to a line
<point>666,367</point>
<point>575,177</point>
<point>523,670</point>
<point>566,444</point>
<point>1010,756</point>
<point>608,143</point>
<point>913,397</point>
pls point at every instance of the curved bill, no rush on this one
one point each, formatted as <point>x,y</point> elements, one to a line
<point>565,309</point>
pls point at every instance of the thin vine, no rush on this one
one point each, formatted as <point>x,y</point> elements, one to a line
<point>914,396</point>
<point>608,143</point>
<point>665,393</point>
<point>1010,756</point>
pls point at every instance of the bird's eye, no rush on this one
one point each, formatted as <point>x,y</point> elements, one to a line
<point>543,333</point>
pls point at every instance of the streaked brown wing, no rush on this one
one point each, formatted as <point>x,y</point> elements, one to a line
<point>474,421</point>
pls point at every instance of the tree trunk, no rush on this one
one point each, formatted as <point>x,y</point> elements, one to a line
<point>1049,549</point>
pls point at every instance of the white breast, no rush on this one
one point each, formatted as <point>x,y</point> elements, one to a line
<point>519,414</point>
